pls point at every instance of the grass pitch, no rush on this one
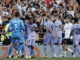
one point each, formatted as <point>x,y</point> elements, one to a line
<point>68,58</point>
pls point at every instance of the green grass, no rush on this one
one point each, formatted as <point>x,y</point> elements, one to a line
<point>68,58</point>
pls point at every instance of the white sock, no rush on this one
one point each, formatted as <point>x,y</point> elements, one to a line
<point>64,53</point>
<point>70,50</point>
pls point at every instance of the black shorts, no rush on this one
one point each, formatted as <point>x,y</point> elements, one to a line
<point>67,41</point>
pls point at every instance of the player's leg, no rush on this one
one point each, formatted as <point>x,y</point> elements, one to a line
<point>45,50</point>
<point>32,46</point>
<point>53,49</point>
<point>28,47</point>
<point>45,43</point>
<point>21,41</point>
<point>32,51</point>
<point>20,47</point>
<point>28,51</point>
<point>64,47</point>
<point>17,44</point>
<point>76,47</point>
<point>60,46</point>
<point>10,51</point>
<point>11,47</point>
<point>22,52</point>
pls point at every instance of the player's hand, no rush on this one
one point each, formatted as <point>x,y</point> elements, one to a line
<point>71,37</point>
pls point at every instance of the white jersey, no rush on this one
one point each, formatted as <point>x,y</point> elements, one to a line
<point>67,29</point>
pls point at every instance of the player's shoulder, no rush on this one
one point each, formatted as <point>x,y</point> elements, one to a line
<point>11,20</point>
<point>46,22</point>
<point>78,25</point>
<point>52,23</point>
<point>20,20</point>
<point>74,25</point>
<point>58,22</point>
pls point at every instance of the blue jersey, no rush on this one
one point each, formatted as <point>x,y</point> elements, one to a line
<point>17,26</point>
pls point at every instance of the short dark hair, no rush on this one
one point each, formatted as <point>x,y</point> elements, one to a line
<point>17,14</point>
<point>76,20</point>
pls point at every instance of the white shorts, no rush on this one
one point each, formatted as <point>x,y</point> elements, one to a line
<point>30,41</point>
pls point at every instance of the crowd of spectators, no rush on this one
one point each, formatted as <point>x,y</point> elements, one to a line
<point>38,10</point>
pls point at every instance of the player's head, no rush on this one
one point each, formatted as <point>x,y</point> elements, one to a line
<point>56,17</point>
<point>67,20</point>
<point>52,18</point>
<point>31,21</point>
<point>17,14</point>
<point>76,21</point>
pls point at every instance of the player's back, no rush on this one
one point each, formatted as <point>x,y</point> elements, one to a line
<point>49,24</point>
<point>58,24</point>
<point>76,30</point>
<point>16,25</point>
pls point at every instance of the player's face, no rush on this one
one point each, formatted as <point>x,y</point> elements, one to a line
<point>31,21</point>
<point>52,19</point>
<point>67,20</point>
<point>56,17</point>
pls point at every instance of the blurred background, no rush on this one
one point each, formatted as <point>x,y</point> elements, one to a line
<point>38,10</point>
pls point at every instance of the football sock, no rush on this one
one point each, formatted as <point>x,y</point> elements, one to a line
<point>60,50</point>
<point>76,48</point>
<point>20,47</point>
<point>10,50</point>
<point>53,49</point>
<point>22,51</point>
<point>28,51</point>
<point>64,53</point>
<point>69,50</point>
<point>45,50</point>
